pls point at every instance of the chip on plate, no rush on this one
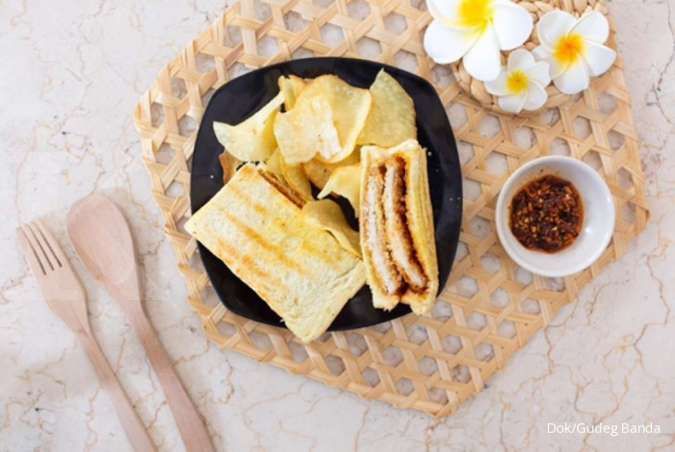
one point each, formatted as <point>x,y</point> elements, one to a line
<point>327,215</point>
<point>318,172</point>
<point>391,119</point>
<point>252,139</point>
<point>349,106</point>
<point>290,86</point>
<point>274,162</point>
<point>307,129</point>
<point>345,181</point>
<point>297,180</point>
<point>229,165</point>
<point>291,175</point>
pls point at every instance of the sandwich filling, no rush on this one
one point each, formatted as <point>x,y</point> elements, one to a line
<point>387,230</point>
<point>388,276</point>
<point>398,235</point>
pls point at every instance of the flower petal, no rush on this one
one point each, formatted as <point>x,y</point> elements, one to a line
<point>520,59</point>
<point>513,25</point>
<point>447,45</point>
<point>593,26</point>
<point>553,25</point>
<point>444,10</point>
<point>599,58</point>
<point>497,87</point>
<point>574,80</point>
<point>511,104</point>
<point>536,97</point>
<point>539,72</point>
<point>483,61</point>
<point>541,53</point>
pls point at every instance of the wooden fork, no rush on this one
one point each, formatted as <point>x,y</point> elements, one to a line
<point>66,298</point>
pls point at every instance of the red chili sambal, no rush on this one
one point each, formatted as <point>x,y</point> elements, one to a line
<point>547,214</point>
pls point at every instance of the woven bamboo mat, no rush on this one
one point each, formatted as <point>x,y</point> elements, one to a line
<point>490,307</point>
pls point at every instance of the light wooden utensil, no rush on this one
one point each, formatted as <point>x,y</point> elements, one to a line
<point>101,237</point>
<point>66,298</point>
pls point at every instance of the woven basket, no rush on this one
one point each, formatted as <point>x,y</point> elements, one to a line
<point>476,88</point>
<point>490,307</point>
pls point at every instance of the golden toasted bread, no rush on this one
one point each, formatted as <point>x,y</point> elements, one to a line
<point>298,268</point>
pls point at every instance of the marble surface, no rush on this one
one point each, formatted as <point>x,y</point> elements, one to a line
<point>68,85</point>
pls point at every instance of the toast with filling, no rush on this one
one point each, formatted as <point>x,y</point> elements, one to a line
<point>396,227</point>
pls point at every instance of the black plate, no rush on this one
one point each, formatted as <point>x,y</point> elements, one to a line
<point>243,96</point>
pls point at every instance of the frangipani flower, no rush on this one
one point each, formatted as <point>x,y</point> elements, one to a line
<point>521,84</point>
<point>476,30</point>
<point>574,48</point>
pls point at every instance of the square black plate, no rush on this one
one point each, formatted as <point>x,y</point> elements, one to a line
<point>240,98</point>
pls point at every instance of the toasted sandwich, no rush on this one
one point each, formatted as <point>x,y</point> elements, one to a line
<point>396,227</point>
<point>253,224</point>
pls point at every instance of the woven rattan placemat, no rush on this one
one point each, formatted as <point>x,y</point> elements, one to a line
<point>490,307</point>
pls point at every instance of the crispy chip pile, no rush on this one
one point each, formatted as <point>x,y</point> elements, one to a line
<point>314,140</point>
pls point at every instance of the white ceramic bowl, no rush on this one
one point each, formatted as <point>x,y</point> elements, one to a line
<point>596,232</point>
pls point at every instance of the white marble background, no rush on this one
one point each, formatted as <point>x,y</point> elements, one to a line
<point>71,73</point>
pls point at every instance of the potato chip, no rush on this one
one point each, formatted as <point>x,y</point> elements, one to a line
<point>391,119</point>
<point>318,172</point>
<point>290,86</point>
<point>290,175</point>
<point>345,181</point>
<point>306,129</point>
<point>297,180</point>
<point>252,139</point>
<point>274,163</point>
<point>229,165</point>
<point>350,106</point>
<point>327,215</point>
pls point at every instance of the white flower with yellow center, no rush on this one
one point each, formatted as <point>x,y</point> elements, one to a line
<point>476,30</point>
<point>521,84</point>
<point>574,48</point>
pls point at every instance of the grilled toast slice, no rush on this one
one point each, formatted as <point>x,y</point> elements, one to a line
<point>299,269</point>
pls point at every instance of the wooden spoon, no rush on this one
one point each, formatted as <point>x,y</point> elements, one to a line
<point>102,239</point>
